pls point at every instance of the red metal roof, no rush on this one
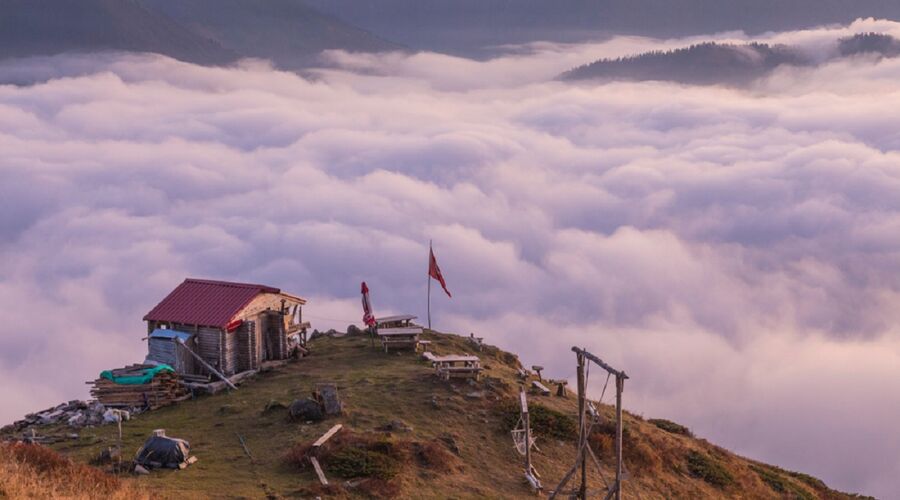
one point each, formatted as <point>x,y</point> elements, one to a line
<point>206,302</point>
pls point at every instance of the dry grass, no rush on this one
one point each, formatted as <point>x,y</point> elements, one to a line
<point>34,471</point>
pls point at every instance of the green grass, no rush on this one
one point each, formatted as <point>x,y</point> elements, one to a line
<point>781,484</point>
<point>707,468</point>
<point>545,421</point>
<point>671,427</point>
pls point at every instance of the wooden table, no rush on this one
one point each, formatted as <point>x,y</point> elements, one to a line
<point>457,366</point>
<point>398,321</point>
<point>403,337</point>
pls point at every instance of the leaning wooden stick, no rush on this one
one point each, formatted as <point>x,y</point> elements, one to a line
<point>244,445</point>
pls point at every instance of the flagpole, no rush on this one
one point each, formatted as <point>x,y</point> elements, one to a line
<point>429,284</point>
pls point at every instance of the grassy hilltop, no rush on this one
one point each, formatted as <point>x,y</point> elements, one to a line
<point>452,440</point>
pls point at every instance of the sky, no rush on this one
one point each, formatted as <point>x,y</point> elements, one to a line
<point>734,250</point>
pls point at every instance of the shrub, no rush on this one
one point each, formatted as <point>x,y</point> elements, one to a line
<point>604,445</point>
<point>297,455</point>
<point>672,427</point>
<point>705,467</point>
<point>35,471</point>
<point>780,484</point>
<point>354,462</point>
<point>435,456</point>
<point>379,488</point>
<point>545,421</point>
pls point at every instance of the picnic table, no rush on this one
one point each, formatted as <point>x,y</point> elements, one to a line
<point>401,337</point>
<point>398,321</point>
<point>456,366</point>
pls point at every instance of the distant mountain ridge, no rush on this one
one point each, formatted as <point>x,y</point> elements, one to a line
<point>467,26</point>
<point>209,32</point>
<point>47,27</point>
<point>716,63</point>
<point>289,32</point>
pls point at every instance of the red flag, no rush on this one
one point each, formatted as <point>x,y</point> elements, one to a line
<point>435,272</point>
<point>368,317</point>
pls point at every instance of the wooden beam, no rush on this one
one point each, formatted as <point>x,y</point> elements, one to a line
<point>599,361</point>
<point>325,437</point>
<point>620,384</point>
<point>244,445</point>
<point>582,430</point>
<point>206,365</point>
<point>319,472</point>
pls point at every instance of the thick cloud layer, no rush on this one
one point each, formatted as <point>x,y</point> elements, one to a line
<point>735,251</point>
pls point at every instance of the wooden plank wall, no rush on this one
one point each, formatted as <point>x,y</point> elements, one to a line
<point>247,347</point>
<point>162,351</point>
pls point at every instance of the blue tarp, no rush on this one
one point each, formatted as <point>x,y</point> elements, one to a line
<point>160,333</point>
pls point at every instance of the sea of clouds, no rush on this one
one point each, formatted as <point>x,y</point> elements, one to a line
<point>736,251</point>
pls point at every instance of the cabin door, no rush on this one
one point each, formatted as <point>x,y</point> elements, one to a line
<point>272,328</point>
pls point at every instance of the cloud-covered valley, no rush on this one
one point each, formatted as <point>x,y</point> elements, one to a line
<point>736,251</point>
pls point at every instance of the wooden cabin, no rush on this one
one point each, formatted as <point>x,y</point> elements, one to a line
<point>233,326</point>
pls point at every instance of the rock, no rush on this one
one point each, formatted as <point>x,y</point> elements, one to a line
<point>434,402</point>
<point>306,409</point>
<point>475,395</point>
<point>396,426</point>
<point>77,420</point>
<point>450,441</point>
<point>113,416</point>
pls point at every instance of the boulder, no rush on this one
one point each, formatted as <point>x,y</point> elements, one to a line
<point>306,409</point>
<point>396,425</point>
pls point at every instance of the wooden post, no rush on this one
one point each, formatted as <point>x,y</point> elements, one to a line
<point>620,384</point>
<point>526,420</point>
<point>429,284</point>
<point>582,492</point>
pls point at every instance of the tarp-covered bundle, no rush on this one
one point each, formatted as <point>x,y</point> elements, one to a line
<point>138,386</point>
<point>161,451</point>
<point>141,374</point>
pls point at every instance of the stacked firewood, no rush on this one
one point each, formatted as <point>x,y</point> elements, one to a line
<point>164,389</point>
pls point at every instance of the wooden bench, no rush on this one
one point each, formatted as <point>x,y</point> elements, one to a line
<point>448,372</point>
<point>540,387</point>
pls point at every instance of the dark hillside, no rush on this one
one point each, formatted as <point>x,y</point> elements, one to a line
<point>870,43</point>
<point>285,31</point>
<point>467,26</point>
<point>704,64</point>
<point>46,27</point>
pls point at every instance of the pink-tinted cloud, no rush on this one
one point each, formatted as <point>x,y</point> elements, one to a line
<point>734,250</point>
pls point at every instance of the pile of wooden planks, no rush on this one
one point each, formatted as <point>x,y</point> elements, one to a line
<point>164,389</point>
